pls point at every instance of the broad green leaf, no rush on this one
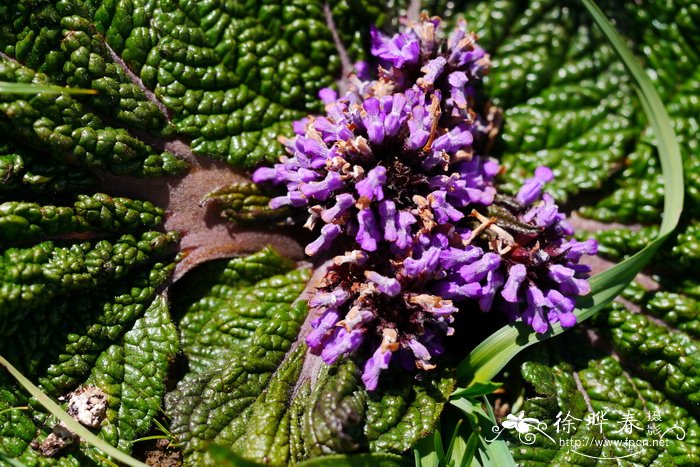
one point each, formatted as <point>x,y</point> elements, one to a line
<point>493,353</point>
<point>253,386</point>
<point>18,432</point>
<point>216,399</point>
<point>233,76</point>
<point>33,278</point>
<point>225,457</point>
<point>61,342</point>
<point>21,222</point>
<point>601,402</point>
<point>26,174</point>
<point>16,427</point>
<point>64,127</point>
<point>133,375</point>
<point>566,98</point>
<point>95,96</point>
<point>620,243</point>
<point>240,296</point>
<point>179,81</point>
<point>666,37</point>
<point>356,460</point>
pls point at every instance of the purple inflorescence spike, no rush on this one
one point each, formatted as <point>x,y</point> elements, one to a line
<point>397,187</point>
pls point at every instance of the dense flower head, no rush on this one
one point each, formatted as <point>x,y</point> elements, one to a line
<point>391,316</point>
<point>391,175</point>
<point>532,269</point>
<point>381,166</point>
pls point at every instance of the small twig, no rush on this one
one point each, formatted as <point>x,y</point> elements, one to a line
<point>490,223</point>
<point>342,51</point>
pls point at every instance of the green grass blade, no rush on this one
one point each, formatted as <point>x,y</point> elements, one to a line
<point>32,88</point>
<point>487,359</point>
<point>497,450</point>
<point>483,420</point>
<point>450,447</point>
<point>469,450</point>
<point>4,459</point>
<point>424,452</point>
<point>69,421</point>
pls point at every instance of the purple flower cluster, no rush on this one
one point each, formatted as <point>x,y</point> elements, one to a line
<point>391,176</point>
<point>532,270</point>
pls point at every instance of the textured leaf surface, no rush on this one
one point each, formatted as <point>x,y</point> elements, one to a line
<point>133,374</point>
<point>239,296</point>
<point>566,98</point>
<point>81,272</point>
<point>642,355</point>
<point>252,384</point>
<point>32,277</point>
<point>20,425</point>
<point>233,77</point>
<point>245,203</point>
<point>230,77</point>
<point>22,222</point>
<point>622,391</point>
<point>666,35</point>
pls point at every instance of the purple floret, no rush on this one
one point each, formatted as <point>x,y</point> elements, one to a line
<point>400,50</point>
<point>379,361</point>
<point>386,285</point>
<point>329,232</point>
<point>532,188</point>
<point>368,235</point>
<point>371,186</point>
<point>322,325</point>
<point>342,342</point>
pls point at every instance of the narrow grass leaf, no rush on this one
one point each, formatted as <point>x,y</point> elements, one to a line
<point>32,88</point>
<point>69,421</point>
<point>487,359</point>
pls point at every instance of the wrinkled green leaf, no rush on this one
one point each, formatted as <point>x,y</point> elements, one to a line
<point>223,80</point>
<point>666,36</point>
<point>78,268</point>
<point>34,278</point>
<point>574,380</point>
<point>245,203</point>
<point>493,353</point>
<point>18,432</point>
<point>356,460</point>
<point>567,101</point>
<point>252,384</point>
<point>133,374</point>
